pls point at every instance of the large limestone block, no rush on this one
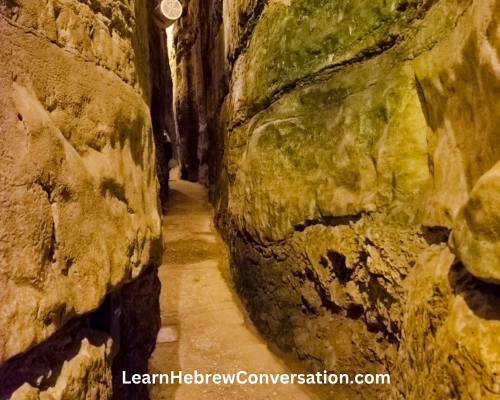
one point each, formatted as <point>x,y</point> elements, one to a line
<point>389,132</point>
<point>459,76</point>
<point>354,143</point>
<point>295,41</point>
<point>476,233</point>
<point>333,125</point>
<point>79,200</point>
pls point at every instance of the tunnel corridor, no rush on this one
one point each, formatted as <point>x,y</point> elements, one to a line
<point>272,199</point>
<point>204,327</point>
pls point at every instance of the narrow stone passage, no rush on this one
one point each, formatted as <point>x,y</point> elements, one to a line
<point>203,326</point>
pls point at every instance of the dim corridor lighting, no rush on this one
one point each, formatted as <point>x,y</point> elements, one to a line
<point>167,12</point>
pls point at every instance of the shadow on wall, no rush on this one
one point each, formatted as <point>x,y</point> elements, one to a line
<point>481,297</point>
<point>89,353</point>
<point>140,323</point>
<point>41,367</point>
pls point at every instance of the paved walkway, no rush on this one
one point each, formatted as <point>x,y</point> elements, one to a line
<point>203,326</point>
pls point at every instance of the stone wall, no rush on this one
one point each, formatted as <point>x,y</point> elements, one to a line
<point>79,190</point>
<point>348,139</point>
<point>189,92</point>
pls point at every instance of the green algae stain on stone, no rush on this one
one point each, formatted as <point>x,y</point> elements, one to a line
<point>336,148</point>
<point>292,42</point>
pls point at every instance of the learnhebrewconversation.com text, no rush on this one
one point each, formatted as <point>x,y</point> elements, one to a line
<point>245,378</point>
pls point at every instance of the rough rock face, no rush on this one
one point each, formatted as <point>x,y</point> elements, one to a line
<point>78,179</point>
<point>139,326</point>
<point>449,348</point>
<point>346,139</point>
<point>476,234</point>
<point>86,357</point>
<point>188,94</point>
<point>80,369</point>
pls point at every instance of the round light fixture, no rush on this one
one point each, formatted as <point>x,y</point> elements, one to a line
<point>167,12</point>
<point>172,9</point>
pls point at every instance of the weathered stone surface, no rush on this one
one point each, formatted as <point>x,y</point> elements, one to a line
<point>476,234</point>
<point>189,94</point>
<point>162,114</point>
<point>87,374</point>
<point>139,326</point>
<point>86,357</point>
<point>449,346</point>
<point>80,213</point>
<point>332,294</point>
<point>73,363</point>
<point>459,78</point>
<point>78,181</point>
<point>345,139</point>
<point>294,162</point>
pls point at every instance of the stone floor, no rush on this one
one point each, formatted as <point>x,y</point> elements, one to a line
<point>204,327</point>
